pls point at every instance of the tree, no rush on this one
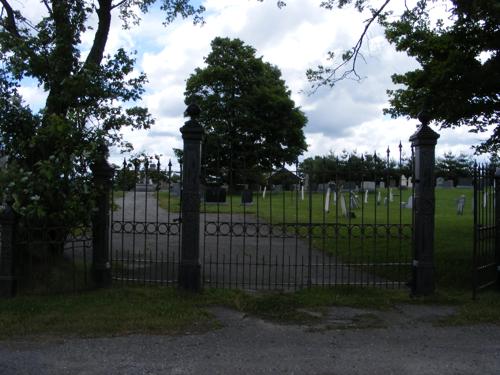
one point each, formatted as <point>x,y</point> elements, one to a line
<point>452,167</point>
<point>89,99</point>
<point>251,123</point>
<point>458,81</point>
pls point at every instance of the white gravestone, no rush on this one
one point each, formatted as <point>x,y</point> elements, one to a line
<point>379,198</point>
<point>404,181</point>
<point>335,198</point>
<point>391,196</point>
<point>264,192</point>
<point>327,200</point>
<point>461,205</point>
<point>366,196</point>
<point>410,182</point>
<point>302,192</point>
<point>343,205</point>
<point>409,204</point>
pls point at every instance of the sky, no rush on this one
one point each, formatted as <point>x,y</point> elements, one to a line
<point>294,38</point>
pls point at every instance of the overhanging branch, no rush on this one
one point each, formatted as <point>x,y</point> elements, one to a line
<point>10,21</point>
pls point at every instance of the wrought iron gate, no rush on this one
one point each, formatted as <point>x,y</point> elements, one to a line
<point>300,227</point>
<point>145,223</point>
<point>486,251</point>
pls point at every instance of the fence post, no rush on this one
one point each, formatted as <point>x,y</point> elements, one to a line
<point>189,268</point>
<point>101,266</point>
<point>424,142</point>
<point>497,224</point>
<point>8,221</point>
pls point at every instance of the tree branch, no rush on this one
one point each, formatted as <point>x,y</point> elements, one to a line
<point>331,74</point>
<point>96,53</point>
<point>10,25</point>
<point>48,7</point>
<point>119,4</point>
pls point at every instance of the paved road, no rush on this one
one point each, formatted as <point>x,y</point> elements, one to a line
<point>235,250</point>
<point>346,342</point>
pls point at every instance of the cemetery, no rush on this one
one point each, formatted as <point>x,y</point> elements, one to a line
<point>453,220</point>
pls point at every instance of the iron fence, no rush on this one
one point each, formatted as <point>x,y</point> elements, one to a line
<point>145,223</point>
<point>486,250</point>
<point>321,231</point>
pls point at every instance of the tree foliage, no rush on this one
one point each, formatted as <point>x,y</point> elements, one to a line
<point>251,123</point>
<point>453,167</point>
<point>351,166</point>
<point>458,81</point>
<point>90,97</point>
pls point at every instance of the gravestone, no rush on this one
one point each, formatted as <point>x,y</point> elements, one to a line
<point>464,182</point>
<point>264,192</point>
<point>461,205</point>
<point>246,197</point>
<point>215,194</point>
<point>381,185</point>
<point>354,201</point>
<point>350,186</point>
<point>448,184</point>
<point>305,185</point>
<point>343,205</point>
<point>327,200</point>
<point>302,192</point>
<point>439,182</point>
<point>408,204</point>
<point>321,188</point>
<point>379,198</point>
<point>175,189</point>
<point>410,182</point>
<point>391,196</point>
<point>403,181</point>
<point>366,196</point>
<point>368,185</point>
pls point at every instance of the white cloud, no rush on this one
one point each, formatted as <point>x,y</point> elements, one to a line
<point>294,38</point>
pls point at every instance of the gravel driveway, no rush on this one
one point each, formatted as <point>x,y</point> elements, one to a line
<point>348,341</point>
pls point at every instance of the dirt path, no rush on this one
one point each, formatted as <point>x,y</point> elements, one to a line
<point>348,341</point>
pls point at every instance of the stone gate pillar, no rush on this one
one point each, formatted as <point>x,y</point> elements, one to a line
<point>497,224</point>
<point>103,180</point>
<point>189,268</point>
<point>424,142</point>
<point>8,220</point>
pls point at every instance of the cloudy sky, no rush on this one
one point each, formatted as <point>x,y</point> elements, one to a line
<point>294,38</point>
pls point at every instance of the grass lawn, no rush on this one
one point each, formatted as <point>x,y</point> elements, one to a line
<point>453,235</point>
<point>160,311</point>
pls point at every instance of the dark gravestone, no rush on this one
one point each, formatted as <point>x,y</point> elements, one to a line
<point>464,182</point>
<point>246,197</point>
<point>349,186</point>
<point>447,184</point>
<point>215,194</point>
